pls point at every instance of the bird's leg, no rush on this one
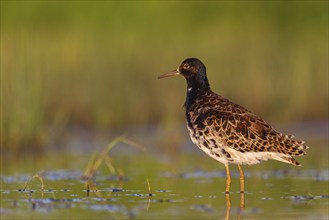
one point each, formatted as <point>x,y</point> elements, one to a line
<point>228,179</point>
<point>241,188</point>
<point>241,179</point>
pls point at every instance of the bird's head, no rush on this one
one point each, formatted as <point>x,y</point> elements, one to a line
<point>194,72</point>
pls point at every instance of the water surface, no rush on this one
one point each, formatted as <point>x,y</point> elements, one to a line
<point>187,184</point>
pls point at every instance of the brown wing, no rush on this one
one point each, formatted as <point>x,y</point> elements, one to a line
<point>245,131</point>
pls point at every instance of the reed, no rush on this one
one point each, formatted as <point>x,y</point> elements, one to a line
<point>95,65</point>
<point>103,158</point>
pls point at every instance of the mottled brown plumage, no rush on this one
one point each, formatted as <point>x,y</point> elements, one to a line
<point>223,129</point>
<point>227,131</point>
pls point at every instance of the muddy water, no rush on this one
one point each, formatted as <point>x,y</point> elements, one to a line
<point>153,185</point>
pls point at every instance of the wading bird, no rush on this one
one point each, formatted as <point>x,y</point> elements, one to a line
<point>228,132</point>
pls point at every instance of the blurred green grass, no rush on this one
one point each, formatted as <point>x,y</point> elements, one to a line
<point>95,64</point>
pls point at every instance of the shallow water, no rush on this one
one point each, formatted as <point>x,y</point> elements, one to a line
<point>185,185</point>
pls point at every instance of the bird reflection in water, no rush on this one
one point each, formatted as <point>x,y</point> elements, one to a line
<point>228,205</point>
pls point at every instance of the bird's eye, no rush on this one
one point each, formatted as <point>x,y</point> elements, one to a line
<point>186,66</point>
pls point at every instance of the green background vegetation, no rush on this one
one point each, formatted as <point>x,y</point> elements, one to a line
<point>95,64</point>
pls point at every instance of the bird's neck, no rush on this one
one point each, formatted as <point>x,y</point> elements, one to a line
<point>195,89</point>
